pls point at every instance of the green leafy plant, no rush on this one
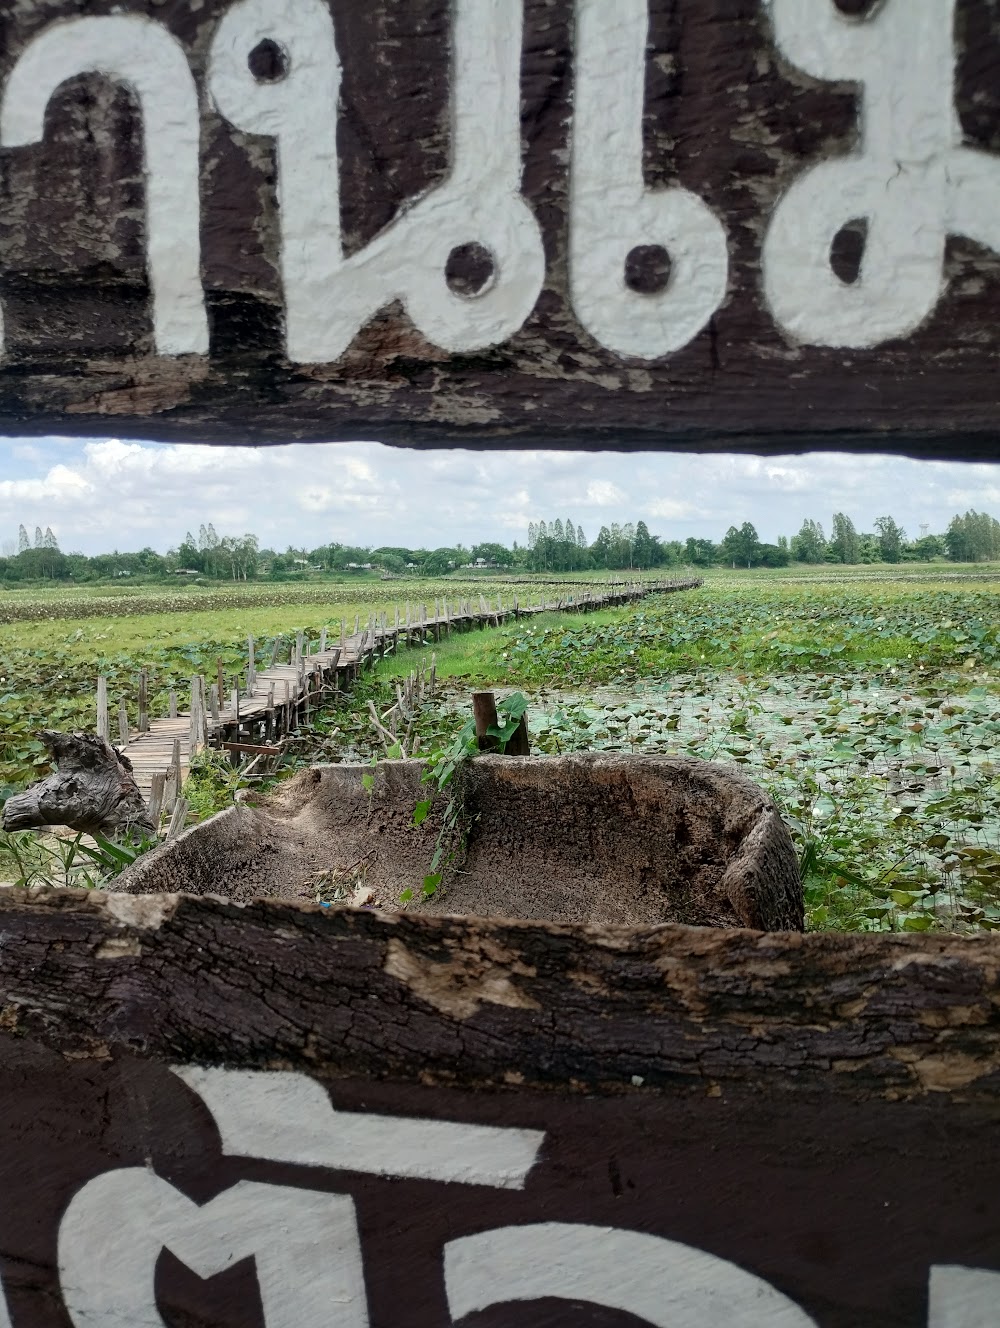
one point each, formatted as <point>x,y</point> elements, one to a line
<point>68,862</point>
<point>442,770</point>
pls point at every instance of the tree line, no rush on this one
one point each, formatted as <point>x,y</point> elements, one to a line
<point>552,546</point>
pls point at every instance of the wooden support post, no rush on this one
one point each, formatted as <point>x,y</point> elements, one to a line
<point>172,704</point>
<point>299,643</point>
<point>220,679</point>
<point>274,652</point>
<point>357,623</point>
<point>122,723</point>
<point>195,723</point>
<point>157,786</point>
<point>519,744</point>
<point>143,701</point>
<point>343,637</point>
<point>484,711</point>
<point>251,666</point>
<point>171,785</point>
<point>103,723</point>
<point>322,641</point>
<point>177,818</point>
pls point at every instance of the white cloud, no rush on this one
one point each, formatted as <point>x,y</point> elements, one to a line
<point>670,509</point>
<point>96,494</point>
<point>603,493</point>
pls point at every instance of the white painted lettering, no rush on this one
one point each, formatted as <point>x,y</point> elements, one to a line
<point>668,1284</point>
<point>910,179</point>
<point>305,1246</point>
<point>963,1297</point>
<point>329,296</point>
<point>612,210</point>
<point>144,56</point>
<point>288,1117</point>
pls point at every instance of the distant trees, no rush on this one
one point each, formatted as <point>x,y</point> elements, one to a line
<point>927,547</point>
<point>890,539</point>
<point>558,546</point>
<point>809,545</point>
<point>699,552</point>
<point>973,538</point>
<point>742,545</point>
<point>492,553</point>
<point>845,543</point>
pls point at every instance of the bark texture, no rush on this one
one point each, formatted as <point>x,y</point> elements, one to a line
<point>92,790</point>
<point>583,838</point>
<point>491,1004</point>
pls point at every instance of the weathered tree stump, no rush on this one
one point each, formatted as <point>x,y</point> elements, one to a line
<point>91,790</point>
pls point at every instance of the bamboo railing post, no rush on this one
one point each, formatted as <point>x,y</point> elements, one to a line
<point>195,733</point>
<point>103,723</point>
<point>177,818</point>
<point>143,701</point>
<point>156,789</point>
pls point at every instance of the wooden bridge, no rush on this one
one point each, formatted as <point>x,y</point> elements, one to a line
<point>249,720</point>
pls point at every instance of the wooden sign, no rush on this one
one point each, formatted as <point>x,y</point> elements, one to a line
<point>761,224</point>
<point>286,1117</point>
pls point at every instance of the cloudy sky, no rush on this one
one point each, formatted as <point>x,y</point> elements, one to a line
<point>105,494</point>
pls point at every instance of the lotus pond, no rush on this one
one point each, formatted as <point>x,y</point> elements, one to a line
<point>873,721</point>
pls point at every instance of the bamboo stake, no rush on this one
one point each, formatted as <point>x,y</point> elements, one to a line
<point>178,818</point>
<point>103,724</point>
<point>143,701</point>
<point>157,786</point>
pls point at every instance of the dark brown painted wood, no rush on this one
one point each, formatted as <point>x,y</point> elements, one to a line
<point>816,1110</point>
<point>727,116</point>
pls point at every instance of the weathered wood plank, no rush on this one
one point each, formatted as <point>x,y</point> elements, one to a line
<point>759,274</point>
<point>800,1124</point>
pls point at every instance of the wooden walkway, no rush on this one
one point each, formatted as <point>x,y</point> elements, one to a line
<point>276,699</point>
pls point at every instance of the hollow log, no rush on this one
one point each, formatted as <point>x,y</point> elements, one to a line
<point>591,837</point>
<point>91,789</point>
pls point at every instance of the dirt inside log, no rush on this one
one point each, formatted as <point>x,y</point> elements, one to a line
<point>584,838</point>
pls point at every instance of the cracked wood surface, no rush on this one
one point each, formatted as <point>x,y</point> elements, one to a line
<point>815,1110</point>
<point>725,115</point>
<point>486,1003</point>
